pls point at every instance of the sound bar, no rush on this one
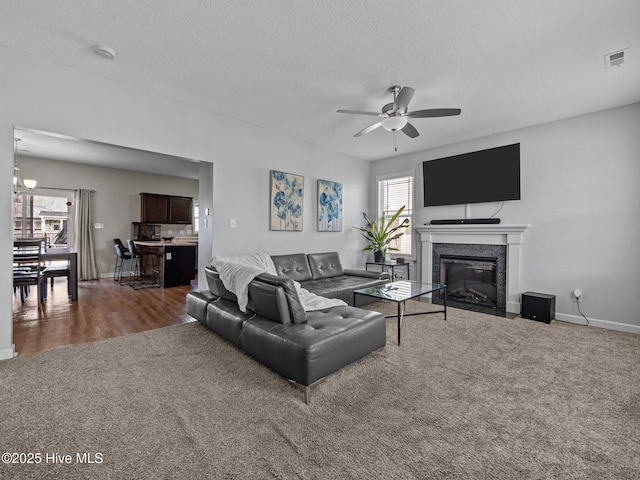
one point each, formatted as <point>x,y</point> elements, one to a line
<point>466,221</point>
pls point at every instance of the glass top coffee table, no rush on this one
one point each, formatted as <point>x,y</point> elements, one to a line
<point>400,292</point>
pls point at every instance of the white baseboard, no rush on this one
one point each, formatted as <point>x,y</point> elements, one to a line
<point>594,322</point>
<point>8,353</point>
<point>513,307</point>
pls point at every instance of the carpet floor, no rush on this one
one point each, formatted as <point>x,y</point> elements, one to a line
<point>476,396</point>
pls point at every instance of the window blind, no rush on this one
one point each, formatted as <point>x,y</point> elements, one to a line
<point>393,193</point>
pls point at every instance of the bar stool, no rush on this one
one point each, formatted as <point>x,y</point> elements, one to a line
<point>122,254</point>
<point>121,257</point>
<point>139,267</point>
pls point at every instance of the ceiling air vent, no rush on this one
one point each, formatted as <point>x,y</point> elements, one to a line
<point>615,59</point>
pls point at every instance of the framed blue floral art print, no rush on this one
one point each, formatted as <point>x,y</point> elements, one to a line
<point>287,190</point>
<point>329,206</point>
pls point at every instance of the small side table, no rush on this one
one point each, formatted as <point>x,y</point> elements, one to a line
<point>385,267</point>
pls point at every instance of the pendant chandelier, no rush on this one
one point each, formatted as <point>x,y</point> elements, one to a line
<point>27,183</point>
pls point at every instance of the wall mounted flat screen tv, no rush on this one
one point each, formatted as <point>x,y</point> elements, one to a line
<point>491,175</point>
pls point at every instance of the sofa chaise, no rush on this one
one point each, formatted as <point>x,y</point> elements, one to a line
<point>304,347</point>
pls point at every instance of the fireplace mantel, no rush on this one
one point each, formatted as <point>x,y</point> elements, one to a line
<point>489,234</point>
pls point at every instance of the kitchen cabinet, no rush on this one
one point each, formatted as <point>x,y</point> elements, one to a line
<point>176,261</point>
<point>167,209</point>
<point>180,209</point>
<point>154,208</point>
<point>179,266</point>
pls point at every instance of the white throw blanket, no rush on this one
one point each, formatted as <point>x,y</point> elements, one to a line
<point>237,272</point>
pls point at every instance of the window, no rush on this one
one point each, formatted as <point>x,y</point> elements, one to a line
<point>196,217</point>
<point>41,216</point>
<point>394,191</point>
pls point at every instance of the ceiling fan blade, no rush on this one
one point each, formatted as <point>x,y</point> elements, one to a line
<point>434,112</point>
<point>403,99</point>
<point>359,112</point>
<point>410,130</point>
<point>370,128</point>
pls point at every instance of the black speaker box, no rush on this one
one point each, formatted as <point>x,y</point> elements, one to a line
<point>538,306</point>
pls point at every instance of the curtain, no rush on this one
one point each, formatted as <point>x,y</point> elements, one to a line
<point>83,236</point>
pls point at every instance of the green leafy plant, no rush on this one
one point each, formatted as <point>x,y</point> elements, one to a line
<point>380,236</point>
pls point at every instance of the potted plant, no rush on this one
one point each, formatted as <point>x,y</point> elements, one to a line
<point>380,236</point>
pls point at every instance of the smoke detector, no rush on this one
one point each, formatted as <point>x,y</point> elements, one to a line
<point>105,52</point>
<point>615,59</point>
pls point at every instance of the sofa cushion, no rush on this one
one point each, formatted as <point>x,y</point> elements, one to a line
<point>325,265</point>
<point>197,305</point>
<point>216,287</point>
<point>270,302</point>
<point>296,310</point>
<point>225,318</point>
<point>292,266</point>
<point>341,287</point>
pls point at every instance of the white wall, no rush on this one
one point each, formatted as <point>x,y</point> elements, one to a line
<point>581,198</point>
<point>45,96</point>
<point>116,198</point>
<point>241,191</point>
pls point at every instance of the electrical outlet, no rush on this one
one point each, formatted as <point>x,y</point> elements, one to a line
<point>577,294</point>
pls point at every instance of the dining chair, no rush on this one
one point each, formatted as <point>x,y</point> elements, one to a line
<point>29,268</point>
<point>54,268</point>
<point>58,268</point>
<point>42,240</point>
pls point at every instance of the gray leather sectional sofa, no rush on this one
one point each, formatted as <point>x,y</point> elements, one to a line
<point>302,346</point>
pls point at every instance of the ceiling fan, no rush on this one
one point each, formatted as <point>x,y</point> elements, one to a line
<point>395,115</point>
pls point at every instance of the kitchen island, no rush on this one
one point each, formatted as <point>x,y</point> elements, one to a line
<point>175,260</point>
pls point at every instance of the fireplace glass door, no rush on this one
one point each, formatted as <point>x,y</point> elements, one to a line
<point>470,280</point>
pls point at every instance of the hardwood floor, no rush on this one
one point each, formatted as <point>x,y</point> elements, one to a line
<point>104,310</point>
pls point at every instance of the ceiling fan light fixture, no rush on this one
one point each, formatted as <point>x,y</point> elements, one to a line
<point>394,123</point>
<point>395,115</point>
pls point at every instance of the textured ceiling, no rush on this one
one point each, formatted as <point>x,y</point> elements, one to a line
<point>288,65</point>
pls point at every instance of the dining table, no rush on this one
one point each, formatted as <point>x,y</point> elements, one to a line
<point>52,254</point>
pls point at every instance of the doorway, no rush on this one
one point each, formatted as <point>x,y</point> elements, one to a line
<point>43,211</point>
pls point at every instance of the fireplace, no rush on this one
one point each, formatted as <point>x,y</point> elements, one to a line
<point>475,276</point>
<point>508,237</point>
<point>470,280</point>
